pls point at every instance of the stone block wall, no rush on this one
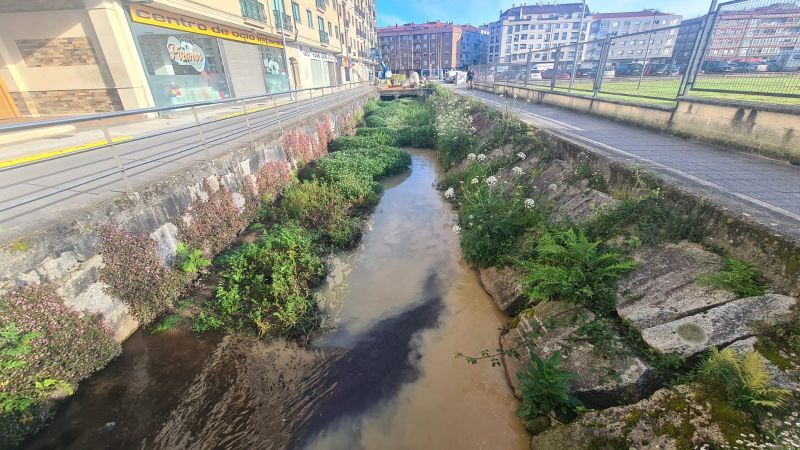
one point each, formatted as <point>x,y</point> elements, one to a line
<point>75,101</point>
<point>69,51</point>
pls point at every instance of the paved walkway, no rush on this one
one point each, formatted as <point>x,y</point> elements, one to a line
<point>53,188</point>
<point>765,190</point>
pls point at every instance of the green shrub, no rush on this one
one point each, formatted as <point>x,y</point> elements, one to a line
<point>353,143</point>
<point>454,129</point>
<point>545,388</point>
<point>190,260</point>
<point>381,136</point>
<point>569,267</point>
<point>423,136</point>
<point>321,207</point>
<point>740,277</point>
<point>744,379</point>
<point>492,221</point>
<point>169,322</point>
<point>266,284</point>
<point>355,171</point>
<point>205,321</point>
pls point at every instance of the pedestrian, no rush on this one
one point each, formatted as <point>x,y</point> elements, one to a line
<point>470,77</point>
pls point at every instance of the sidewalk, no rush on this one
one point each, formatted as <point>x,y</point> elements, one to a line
<point>762,189</point>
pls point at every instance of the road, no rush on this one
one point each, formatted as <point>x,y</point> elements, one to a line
<point>765,190</point>
<point>57,187</point>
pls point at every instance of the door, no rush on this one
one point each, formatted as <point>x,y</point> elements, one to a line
<point>8,110</point>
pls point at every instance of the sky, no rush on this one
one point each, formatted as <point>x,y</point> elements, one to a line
<point>477,12</point>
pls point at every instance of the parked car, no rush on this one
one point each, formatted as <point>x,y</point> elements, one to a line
<point>535,74</point>
<point>584,73</point>
<point>628,69</point>
<point>559,74</point>
<point>744,67</point>
<point>609,72</point>
<point>660,70</point>
<point>716,67</point>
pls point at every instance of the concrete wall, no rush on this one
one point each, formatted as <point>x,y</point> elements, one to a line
<point>66,253</point>
<point>770,130</point>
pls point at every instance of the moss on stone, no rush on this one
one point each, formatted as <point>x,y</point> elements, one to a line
<point>772,352</point>
<point>731,421</point>
<point>19,246</point>
<point>608,443</point>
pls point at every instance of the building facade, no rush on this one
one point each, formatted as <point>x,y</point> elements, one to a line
<point>87,56</point>
<point>473,47</point>
<point>687,35</point>
<point>430,48</point>
<point>357,24</point>
<point>536,29</point>
<point>657,46</point>
<point>769,33</point>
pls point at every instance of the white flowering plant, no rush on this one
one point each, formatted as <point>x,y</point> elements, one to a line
<point>454,129</point>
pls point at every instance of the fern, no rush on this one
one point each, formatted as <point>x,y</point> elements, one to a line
<point>545,388</point>
<point>739,277</point>
<point>744,379</point>
<point>569,267</point>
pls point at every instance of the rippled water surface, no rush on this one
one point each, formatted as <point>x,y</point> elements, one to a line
<point>380,376</point>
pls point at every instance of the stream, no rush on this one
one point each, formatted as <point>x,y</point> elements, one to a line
<point>380,375</point>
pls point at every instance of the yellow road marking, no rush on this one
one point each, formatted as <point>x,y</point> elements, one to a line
<point>249,111</point>
<point>61,151</point>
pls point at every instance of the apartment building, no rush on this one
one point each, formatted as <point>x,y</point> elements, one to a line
<point>688,33</point>
<point>536,29</point>
<point>767,33</point>
<point>432,47</point>
<point>473,47</point>
<point>357,24</point>
<point>655,47</point>
<point>84,56</point>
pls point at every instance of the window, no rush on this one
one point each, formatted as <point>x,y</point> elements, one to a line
<point>253,10</point>
<point>310,18</point>
<point>296,12</point>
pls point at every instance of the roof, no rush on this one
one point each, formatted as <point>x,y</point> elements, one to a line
<point>564,8</point>
<point>619,15</point>
<point>409,27</point>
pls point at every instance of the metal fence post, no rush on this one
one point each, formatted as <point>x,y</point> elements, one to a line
<point>528,67</point>
<point>117,159</point>
<point>698,50</point>
<point>247,122</point>
<point>601,66</point>
<point>202,134</point>
<point>555,67</point>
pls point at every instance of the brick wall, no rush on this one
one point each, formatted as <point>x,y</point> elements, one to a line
<point>22,105</point>
<point>76,101</point>
<point>71,51</point>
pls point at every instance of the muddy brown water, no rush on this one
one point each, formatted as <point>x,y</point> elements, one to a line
<point>381,374</point>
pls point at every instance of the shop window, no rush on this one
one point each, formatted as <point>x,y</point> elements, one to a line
<point>181,67</point>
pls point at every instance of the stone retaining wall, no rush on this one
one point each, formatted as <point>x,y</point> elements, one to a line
<point>66,253</point>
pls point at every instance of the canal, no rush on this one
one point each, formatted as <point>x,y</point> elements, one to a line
<point>380,375</point>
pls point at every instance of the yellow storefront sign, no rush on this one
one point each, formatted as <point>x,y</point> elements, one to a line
<point>166,19</point>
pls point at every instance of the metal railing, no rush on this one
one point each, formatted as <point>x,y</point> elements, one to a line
<point>119,157</point>
<point>743,50</point>
<point>323,37</point>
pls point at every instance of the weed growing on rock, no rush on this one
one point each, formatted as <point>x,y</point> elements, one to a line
<point>545,388</point>
<point>211,225</point>
<point>745,380</point>
<point>740,277</point>
<point>167,323</point>
<point>190,260</point>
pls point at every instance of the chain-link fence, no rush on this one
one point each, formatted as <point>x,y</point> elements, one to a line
<point>753,52</point>
<point>742,50</point>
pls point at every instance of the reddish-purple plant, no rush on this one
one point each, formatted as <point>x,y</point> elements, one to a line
<point>298,146</point>
<point>272,177</point>
<point>136,275</point>
<point>213,224</point>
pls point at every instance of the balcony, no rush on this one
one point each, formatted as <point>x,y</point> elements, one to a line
<point>321,4</point>
<point>283,21</point>
<point>323,37</point>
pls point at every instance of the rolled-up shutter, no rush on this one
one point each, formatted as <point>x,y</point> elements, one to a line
<point>244,66</point>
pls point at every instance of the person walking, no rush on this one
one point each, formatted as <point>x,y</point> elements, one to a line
<point>470,77</point>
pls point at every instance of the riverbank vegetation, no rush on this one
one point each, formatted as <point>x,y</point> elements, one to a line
<point>510,218</point>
